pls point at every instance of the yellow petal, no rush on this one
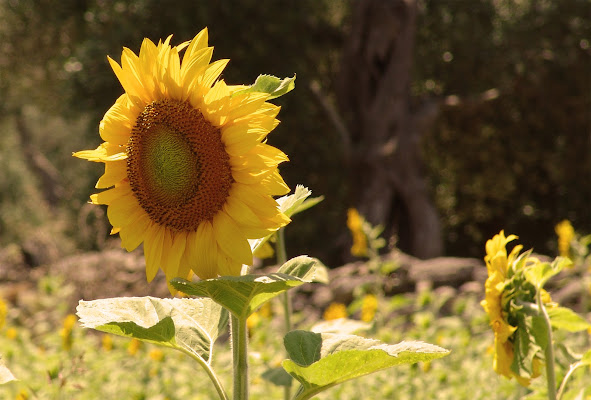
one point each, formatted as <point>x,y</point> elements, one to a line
<point>133,234</point>
<point>203,251</point>
<point>153,250</point>
<point>108,196</point>
<point>230,238</point>
<point>120,211</point>
<point>174,247</point>
<point>115,172</point>
<point>213,72</point>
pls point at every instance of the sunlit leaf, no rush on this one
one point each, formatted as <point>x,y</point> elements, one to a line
<point>241,295</point>
<point>191,325</point>
<point>306,268</point>
<point>272,85</point>
<point>320,361</point>
<point>567,319</point>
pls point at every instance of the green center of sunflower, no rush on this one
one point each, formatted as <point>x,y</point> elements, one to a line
<point>177,165</point>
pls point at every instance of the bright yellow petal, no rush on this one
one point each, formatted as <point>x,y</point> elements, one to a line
<point>120,211</point>
<point>153,245</point>
<point>133,234</point>
<point>115,172</point>
<point>212,73</point>
<point>230,238</point>
<point>204,251</point>
<point>108,196</point>
<point>174,247</point>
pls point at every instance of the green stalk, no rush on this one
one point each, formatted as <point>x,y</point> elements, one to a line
<point>572,369</point>
<point>285,298</point>
<point>549,351</point>
<point>214,378</point>
<point>239,336</point>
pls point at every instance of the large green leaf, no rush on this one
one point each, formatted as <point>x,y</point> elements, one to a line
<point>190,325</point>
<point>567,319</point>
<point>321,360</point>
<point>5,374</point>
<point>241,295</point>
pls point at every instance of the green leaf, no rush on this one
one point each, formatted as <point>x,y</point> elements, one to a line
<point>190,325</point>
<point>539,273</point>
<point>525,344</point>
<point>5,374</point>
<point>320,360</point>
<point>586,359</point>
<point>305,268</point>
<point>241,295</point>
<point>567,319</point>
<point>289,203</point>
<point>277,376</point>
<point>341,326</point>
<point>272,85</point>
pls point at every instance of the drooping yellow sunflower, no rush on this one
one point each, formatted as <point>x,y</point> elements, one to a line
<point>497,264</point>
<point>185,160</point>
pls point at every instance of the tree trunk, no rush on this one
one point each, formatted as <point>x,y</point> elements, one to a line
<point>374,94</point>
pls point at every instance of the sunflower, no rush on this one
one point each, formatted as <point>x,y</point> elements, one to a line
<point>187,168</point>
<point>498,264</point>
<point>355,225</point>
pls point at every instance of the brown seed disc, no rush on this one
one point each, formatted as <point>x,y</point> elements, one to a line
<point>177,165</point>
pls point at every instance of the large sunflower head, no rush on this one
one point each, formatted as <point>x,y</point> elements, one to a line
<point>187,168</point>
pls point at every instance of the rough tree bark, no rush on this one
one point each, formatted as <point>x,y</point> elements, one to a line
<point>374,96</point>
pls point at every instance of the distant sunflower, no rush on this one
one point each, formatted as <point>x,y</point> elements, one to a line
<point>185,156</point>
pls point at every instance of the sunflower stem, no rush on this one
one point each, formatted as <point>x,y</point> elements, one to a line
<point>239,357</point>
<point>285,298</point>
<point>570,372</point>
<point>549,351</point>
<point>210,372</point>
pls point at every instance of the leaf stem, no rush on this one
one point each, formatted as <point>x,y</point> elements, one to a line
<point>549,351</point>
<point>572,369</point>
<point>239,338</point>
<point>210,372</point>
<point>285,298</point>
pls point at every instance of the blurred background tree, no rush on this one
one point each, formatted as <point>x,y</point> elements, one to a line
<point>507,82</point>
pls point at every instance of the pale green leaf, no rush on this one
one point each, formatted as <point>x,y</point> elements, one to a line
<point>567,319</point>
<point>320,361</point>
<point>539,273</point>
<point>190,325</point>
<point>5,374</point>
<point>272,85</point>
<point>586,359</point>
<point>290,202</point>
<point>341,326</point>
<point>241,295</point>
<point>305,268</point>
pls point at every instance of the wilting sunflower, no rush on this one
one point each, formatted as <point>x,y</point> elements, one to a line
<point>498,264</point>
<point>185,156</point>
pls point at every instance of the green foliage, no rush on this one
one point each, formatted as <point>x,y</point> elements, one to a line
<point>321,361</point>
<point>242,295</point>
<point>189,325</point>
<point>272,85</point>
